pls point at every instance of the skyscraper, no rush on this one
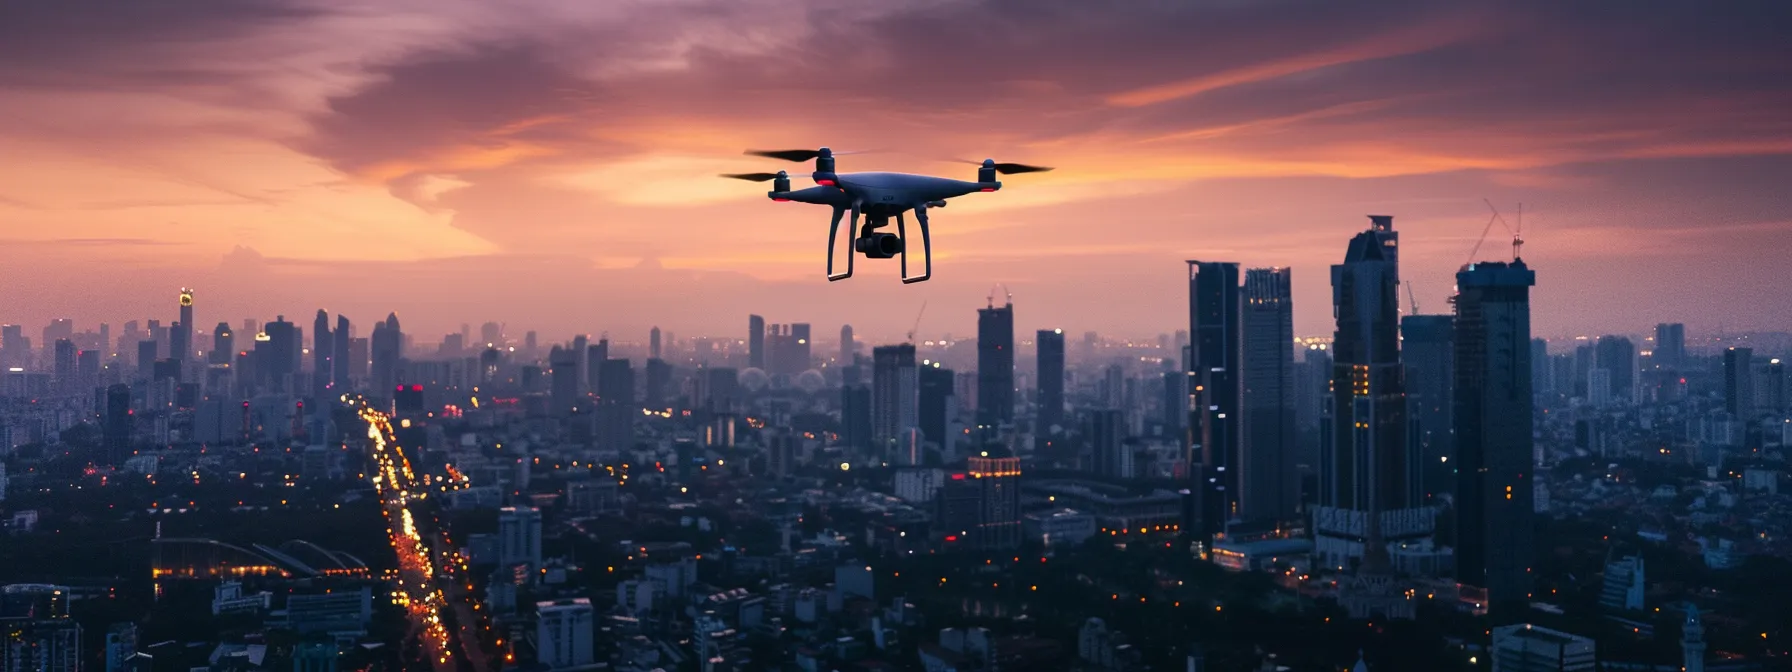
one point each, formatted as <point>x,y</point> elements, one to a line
<point>659,377</point>
<point>595,356</point>
<point>1049,349</point>
<point>1365,472</point>
<point>847,345</point>
<point>998,519</point>
<point>323,343</point>
<point>116,436</point>
<point>616,407</point>
<point>995,367</point>
<point>278,356</point>
<point>564,376</point>
<point>223,344</point>
<point>65,365</point>
<point>342,354</point>
<point>180,334</point>
<point>388,348</point>
<point>1105,430</point>
<point>1617,355</point>
<point>895,398</point>
<point>935,398</point>
<point>1670,345</point>
<point>1366,468</point>
<point>756,342</point>
<point>581,352</point>
<point>1492,412</point>
<point>1739,383</point>
<point>653,343</point>
<point>1426,350</point>
<point>1214,393</point>
<point>1271,486</point>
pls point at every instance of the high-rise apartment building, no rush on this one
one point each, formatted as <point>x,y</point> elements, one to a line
<point>1269,483</point>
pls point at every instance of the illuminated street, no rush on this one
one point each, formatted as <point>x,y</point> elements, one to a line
<point>426,559</point>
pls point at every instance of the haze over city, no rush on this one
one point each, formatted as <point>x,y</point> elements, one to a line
<point>550,165</point>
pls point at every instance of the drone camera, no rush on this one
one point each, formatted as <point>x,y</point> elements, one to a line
<point>880,245</point>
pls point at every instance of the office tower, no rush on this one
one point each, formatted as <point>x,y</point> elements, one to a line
<point>616,407</point>
<point>1270,482</point>
<point>998,520</point>
<point>342,355</point>
<point>223,345</point>
<point>800,353</point>
<point>1617,355</point>
<point>581,352</point>
<point>756,342</point>
<point>387,347</point>
<point>62,328</point>
<point>146,359</point>
<point>995,367</point>
<point>659,377</point>
<point>1772,398</point>
<point>855,414</point>
<point>1524,647</point>
<point>116,435</point>
<point>1739,383</point>
<point>653,343</point>
<point>1625,584</point>
<point>1426,350</point>
<point>848,347</point>
<point>491,335</point>
<point>323,343</point>
<point>359,355</point>
<point>935,399</point>
<point>279,364</point>
<point>1113,387</point>
<point>1670,346</point>
<point>595,356</point>
<point>1584,355</point>
<point>564,630</point>
<point>65,365</point>
<point>529,343</point>
<point>1541,380</point>
<point>564,374</point>
<point>895,399</point>
<point>1366,467</point>
<point>1214,350</point>
<point>519,537</point>
<point>1049,351</point>
<point>15,349</point>
<point>87,371</point>
<point>1109,456</point>
<point>180,335</point>
<point>1173,408</point>
<point>720,391</point>
<point>1492,413</point>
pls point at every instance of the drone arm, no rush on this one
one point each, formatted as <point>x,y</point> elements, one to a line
<point>833,233</point>
<point>926,246</point>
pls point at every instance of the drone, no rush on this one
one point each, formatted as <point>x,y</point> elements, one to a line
<point>876,197</point>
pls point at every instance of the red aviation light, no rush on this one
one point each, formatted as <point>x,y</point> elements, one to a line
<point>781,200</point>
<point>825,182</point>
<point>988,189</point>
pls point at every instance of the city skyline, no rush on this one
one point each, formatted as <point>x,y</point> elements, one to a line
<point>367,179</point>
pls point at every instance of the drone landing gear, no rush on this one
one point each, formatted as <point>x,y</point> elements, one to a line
<point>879,245</point>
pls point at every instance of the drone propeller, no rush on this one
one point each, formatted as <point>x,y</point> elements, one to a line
<point>1006,168</point>
<point>800,155</point>
<point>752,177</point>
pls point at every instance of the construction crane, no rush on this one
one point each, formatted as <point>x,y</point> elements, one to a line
<point>1005,292</point>
<point>917,327</point>
<point>1414,298</point>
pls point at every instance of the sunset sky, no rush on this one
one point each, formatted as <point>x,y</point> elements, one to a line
<point>552,164</point>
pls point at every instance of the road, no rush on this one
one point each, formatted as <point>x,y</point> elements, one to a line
<point>427,560</point>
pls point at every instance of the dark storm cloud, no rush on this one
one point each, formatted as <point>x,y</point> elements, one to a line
<point>135,44</point>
